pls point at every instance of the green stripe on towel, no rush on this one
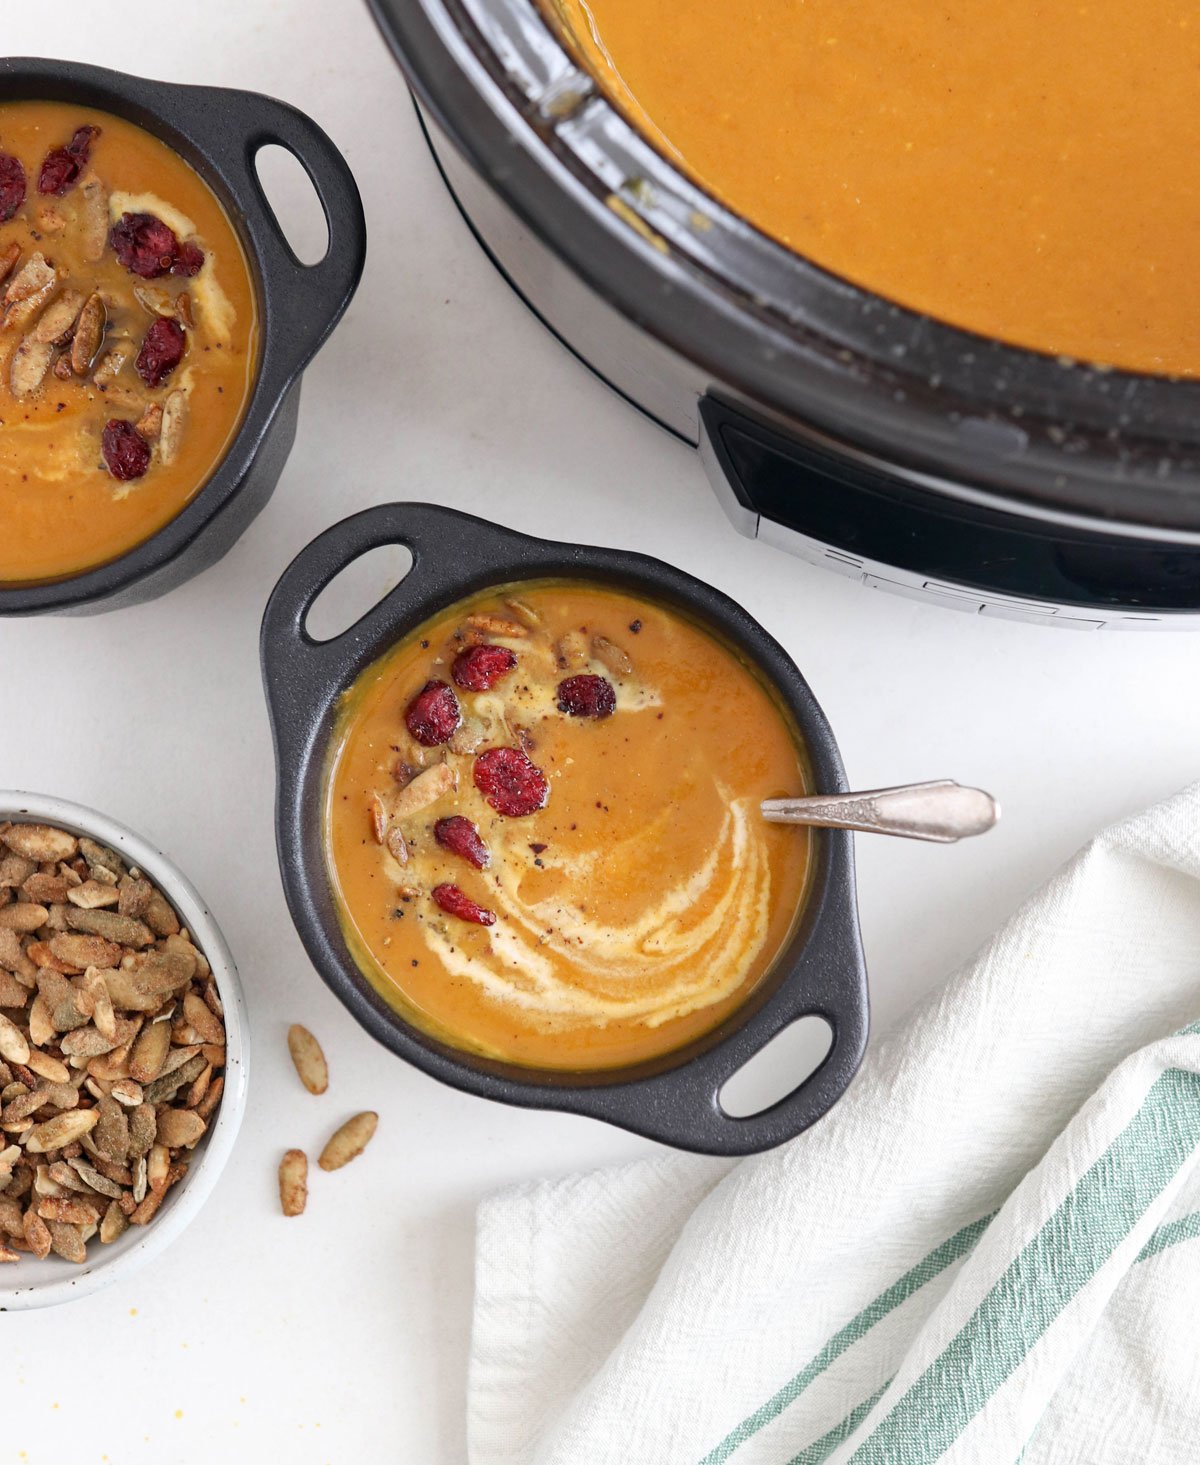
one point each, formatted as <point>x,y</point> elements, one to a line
<point>820,1450</point>
<point>1171,1233</point>
<point>912,1281</point>
<point>1187,1228</point>
<point>1085,1231</point>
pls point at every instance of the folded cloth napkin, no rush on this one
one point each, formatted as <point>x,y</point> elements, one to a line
<point>988,1252</point>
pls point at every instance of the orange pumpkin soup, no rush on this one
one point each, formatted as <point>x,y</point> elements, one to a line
<point>543,832</point>
<point>1025,170</point>
<point>128,337</point>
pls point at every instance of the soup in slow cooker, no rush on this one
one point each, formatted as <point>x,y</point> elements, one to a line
<point>543,831</point>
<point>128,337</point>
<point>1029,171</point>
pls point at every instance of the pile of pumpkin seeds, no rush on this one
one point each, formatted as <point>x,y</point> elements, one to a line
<point>112,1044</point>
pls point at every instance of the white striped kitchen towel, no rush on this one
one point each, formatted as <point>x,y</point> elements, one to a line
<point>989,1252</point>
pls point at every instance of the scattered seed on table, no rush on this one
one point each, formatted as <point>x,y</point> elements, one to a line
<point>349,1141</point>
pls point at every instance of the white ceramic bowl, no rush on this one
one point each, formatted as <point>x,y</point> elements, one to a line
<point>32,1283</point>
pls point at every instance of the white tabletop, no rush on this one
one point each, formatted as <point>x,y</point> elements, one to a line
<point>343,1335</point>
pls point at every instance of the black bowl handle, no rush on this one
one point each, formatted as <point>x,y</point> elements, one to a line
<point>300,672</point>
<point>305,301</point>
<point>682,1107</point>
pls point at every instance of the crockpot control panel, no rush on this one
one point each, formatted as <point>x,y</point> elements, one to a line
<point>894,535</point>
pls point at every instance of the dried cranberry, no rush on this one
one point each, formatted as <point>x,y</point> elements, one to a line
<point>433,714</point>
<point>461,838</point>
<point>510,782</point>
<point>456,903</point>
<point>126,451</point>
<point>12,186</point>
<point>479,668</point>
<point>63,166</point>
<point>188,261</point>
<point>144,245</point>
<point>161,352</point>
<point>59,171</point>
<point>586,696</point>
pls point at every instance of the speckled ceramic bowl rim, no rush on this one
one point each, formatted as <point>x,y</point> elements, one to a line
<point>30,1283</point>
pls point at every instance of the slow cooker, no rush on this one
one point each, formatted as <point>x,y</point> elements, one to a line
<point>909,454</point>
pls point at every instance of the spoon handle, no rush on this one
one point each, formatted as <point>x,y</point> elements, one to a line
<point>943,812</point>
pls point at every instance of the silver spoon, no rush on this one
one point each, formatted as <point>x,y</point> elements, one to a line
<point>943,812</point>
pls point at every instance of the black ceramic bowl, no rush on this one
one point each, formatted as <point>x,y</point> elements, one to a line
<point>219,132</point>
<point>675,1097</point>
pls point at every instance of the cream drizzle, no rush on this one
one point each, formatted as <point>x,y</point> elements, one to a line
<point>214,309</point>
<point>663,964</point>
